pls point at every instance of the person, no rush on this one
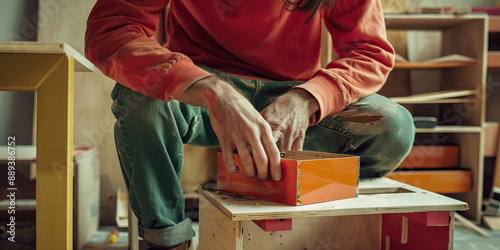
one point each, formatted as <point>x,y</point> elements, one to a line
<point>241,75</point>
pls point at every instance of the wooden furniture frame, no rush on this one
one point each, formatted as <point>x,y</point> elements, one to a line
<point>47,69</point>
<point>464,35</point>
<point>377,219</point>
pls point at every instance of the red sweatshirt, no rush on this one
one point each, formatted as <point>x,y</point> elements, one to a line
<point>252,39</point>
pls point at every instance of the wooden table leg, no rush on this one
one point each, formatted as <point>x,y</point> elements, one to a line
<point>133,230</point>
<point>54,171</point>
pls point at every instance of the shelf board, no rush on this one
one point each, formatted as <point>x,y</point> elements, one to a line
<point>82,64</point>
<point>494,59</point>
<point>451,129</point>
<point>432,65</point>
<point>494,25</point>
<point>429,21</point>
<point>452,100</point>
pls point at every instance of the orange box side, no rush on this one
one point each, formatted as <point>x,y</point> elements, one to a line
<point>438,181</point>
<point>435,156</point>
<point>328,179</point>
<point>283,191</point>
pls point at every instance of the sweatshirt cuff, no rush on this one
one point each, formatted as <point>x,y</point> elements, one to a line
<point>328,95</point>
<point>182,75</point>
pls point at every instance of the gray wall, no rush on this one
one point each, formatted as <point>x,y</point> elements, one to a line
<point>18,20</point>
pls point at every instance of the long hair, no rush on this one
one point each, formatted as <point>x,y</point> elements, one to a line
<point>313,6</point>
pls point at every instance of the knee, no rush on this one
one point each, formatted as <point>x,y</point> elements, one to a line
<point>389,148</point>
<point>403,133</point>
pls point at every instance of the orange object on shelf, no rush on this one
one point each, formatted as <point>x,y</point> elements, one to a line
<point>437,181</point>
<point>308,177</point>
<point>434,156</point>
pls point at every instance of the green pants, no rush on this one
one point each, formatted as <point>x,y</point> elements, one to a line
<point>150,134</point>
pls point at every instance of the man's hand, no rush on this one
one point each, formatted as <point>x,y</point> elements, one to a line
<point>237,125</point>
<point>288,117</point>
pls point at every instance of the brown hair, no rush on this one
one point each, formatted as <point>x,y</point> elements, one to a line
<point>310,5</point>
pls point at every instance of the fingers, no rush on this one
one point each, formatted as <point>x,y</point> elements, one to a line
<point>261,160</point>
<point>273,155</point>
<point>246,159</point>
<point>276,133</point>
<point>286,141</point>
<point>227,156</point>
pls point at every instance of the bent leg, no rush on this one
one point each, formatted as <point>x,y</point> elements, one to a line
<point>375,128</point>
<point>149,136</point>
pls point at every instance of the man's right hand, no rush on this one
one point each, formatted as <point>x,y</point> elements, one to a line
<point>237,125</point>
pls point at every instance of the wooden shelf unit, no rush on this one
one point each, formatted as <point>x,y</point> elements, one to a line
<point>494,24</point>
<point>451,129</point>
<point>493,60</point>
<point>431,65</point>
<point>466,128</point>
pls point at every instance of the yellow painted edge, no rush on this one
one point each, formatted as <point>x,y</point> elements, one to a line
<point>69,175</point>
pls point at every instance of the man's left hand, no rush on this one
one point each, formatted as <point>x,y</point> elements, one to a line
<point>289,116</point>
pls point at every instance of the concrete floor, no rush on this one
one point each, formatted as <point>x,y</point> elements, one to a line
<point>464,240</point>
<point>467,240</point>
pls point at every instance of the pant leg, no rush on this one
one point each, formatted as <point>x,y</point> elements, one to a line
<point>149,136</point>
<point>375,128</point>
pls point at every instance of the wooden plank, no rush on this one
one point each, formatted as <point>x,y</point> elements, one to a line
<point>451,129</point>
<point>13,69</point>
<point>54,185</point>
<point>429,21</point>
<point>24,154</point>
<point>199,166</point>
<point>493,60</point>
<point>494,24</point>
<point>451,237</point>
<point>82,64</point>
<point>453,100</point>
<point>339,232</point>
<point>432,156</point>
<point>471,226</point>
<point>434,96</point>
<point>491,139</point>
<point>414,200</point>
<point>443,65</point>
<point>217,230</point>
<point>492,222</point>
<point>496,177</point>
<point>133,230</point>
<point>439,181</point>
<point>471,158</point>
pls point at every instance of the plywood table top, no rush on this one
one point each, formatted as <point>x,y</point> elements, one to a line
<point>377,196</point>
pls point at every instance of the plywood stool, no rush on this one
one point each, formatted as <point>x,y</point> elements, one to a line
<point>386,215</point>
